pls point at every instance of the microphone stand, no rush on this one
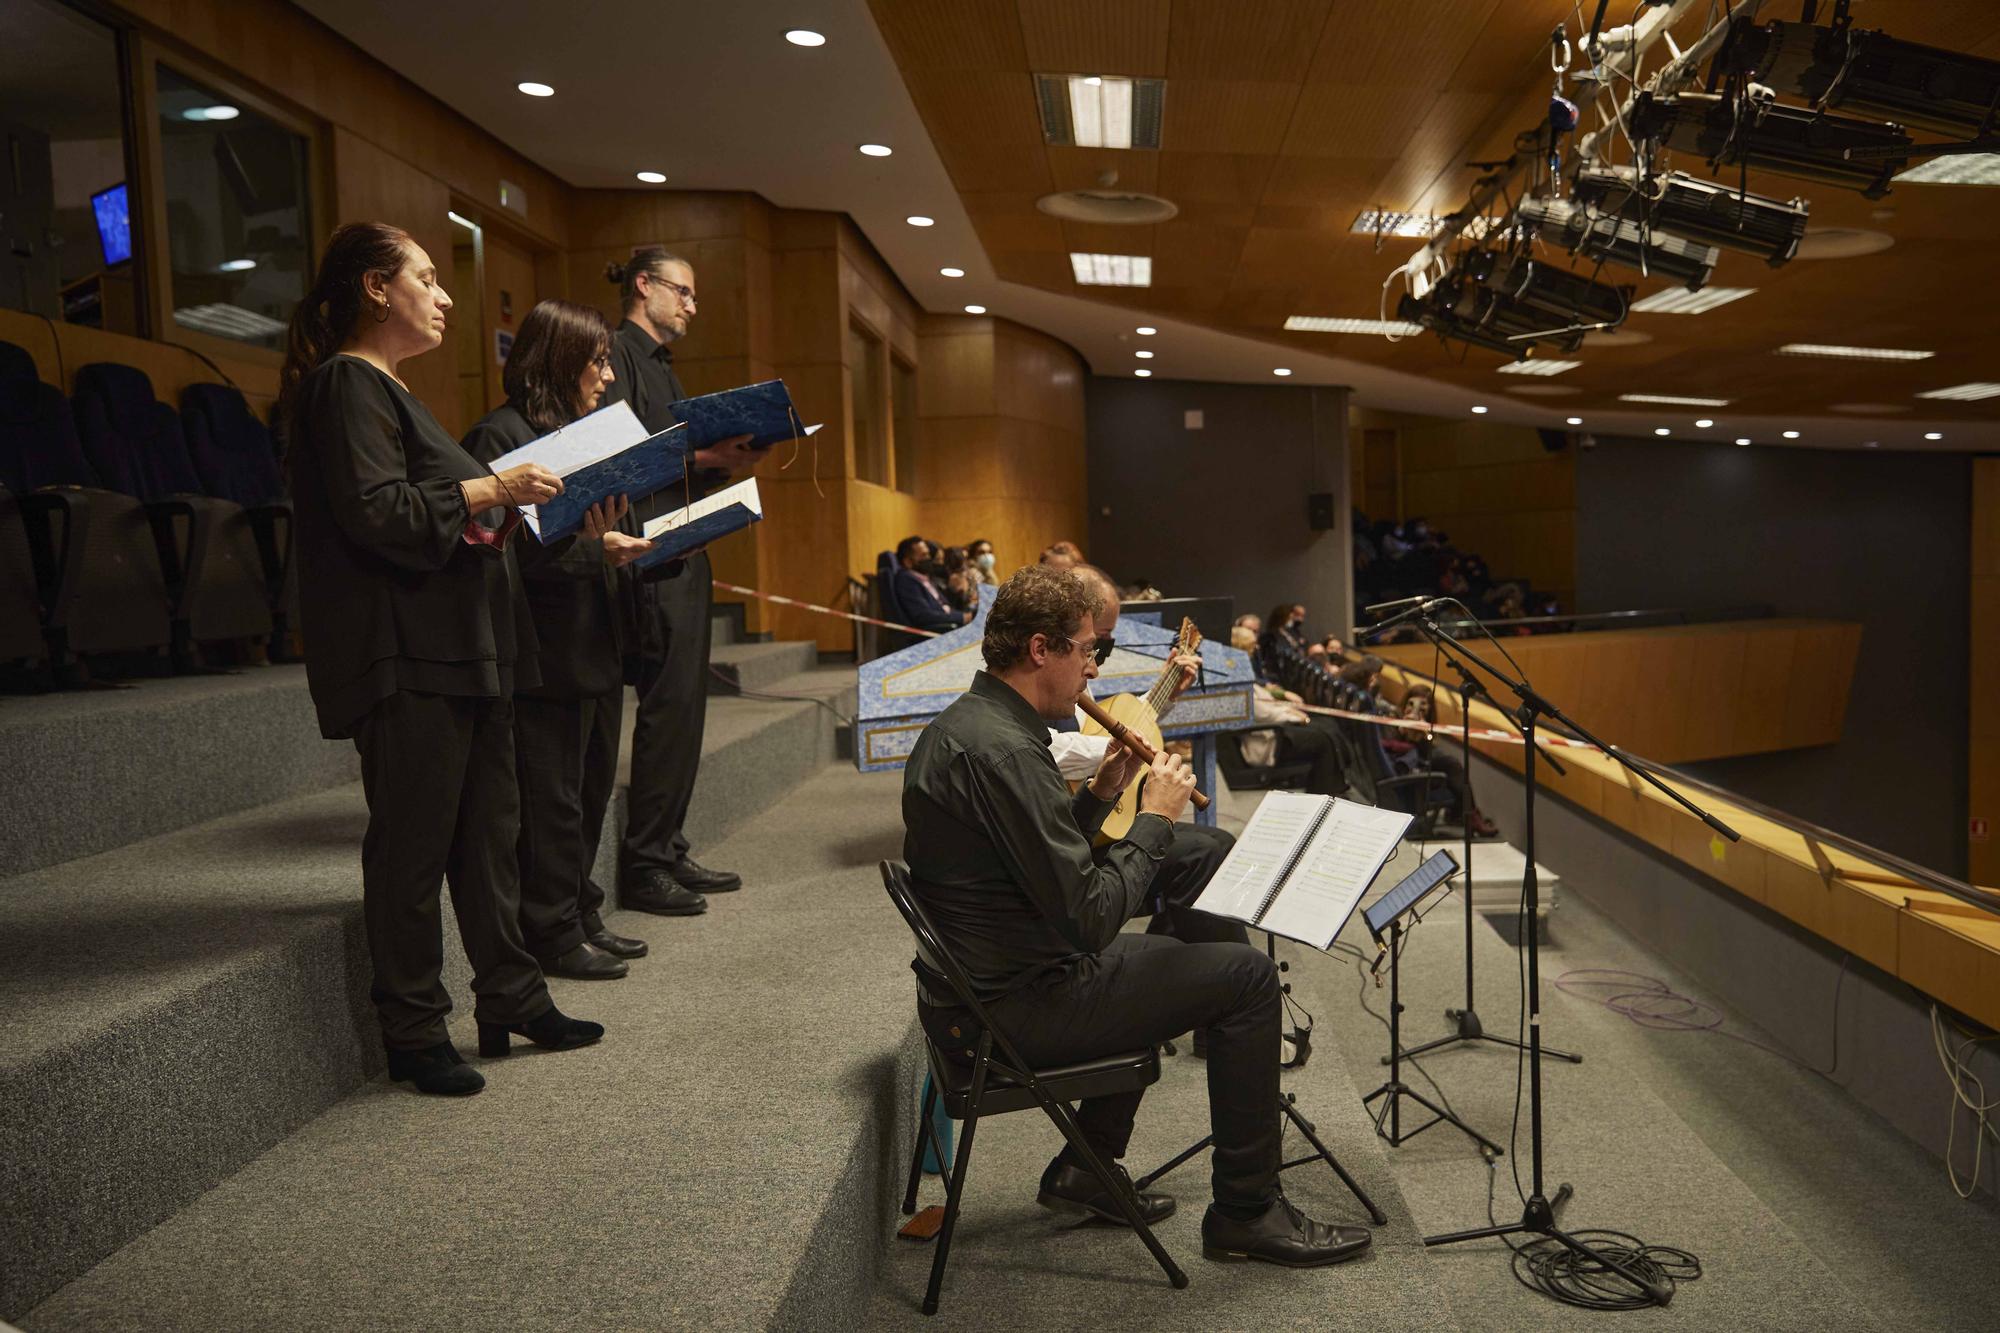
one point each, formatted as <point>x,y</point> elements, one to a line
<point>1467,1019</point>
<point>1538,1216</point>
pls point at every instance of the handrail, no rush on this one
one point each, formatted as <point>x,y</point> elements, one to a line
<point>1614,619</point>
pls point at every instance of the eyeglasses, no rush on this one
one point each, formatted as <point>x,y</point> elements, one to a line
<point>1099,647</point>
<point>601,362</point>
<point>685,293</point>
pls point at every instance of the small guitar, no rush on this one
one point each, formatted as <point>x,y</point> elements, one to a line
<point>1141,714</point>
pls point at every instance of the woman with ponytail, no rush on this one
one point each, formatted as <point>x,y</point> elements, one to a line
<point>566,729</point>
<point>414,646</point>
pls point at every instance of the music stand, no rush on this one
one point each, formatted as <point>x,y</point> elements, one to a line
<point>1386,914</point>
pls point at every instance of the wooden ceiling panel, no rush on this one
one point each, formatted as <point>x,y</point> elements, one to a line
<point>962,35</point>
<point>1084,168</point>
<point>1036,268</point>
<point>1356,120</point>
<point>1413,41</point>
<point>1245,40</point>
<point>1227,116</point>
<point>1011,221</point>
<point>1432,173</point>
<point>1221,178</point>
<point>1190,253</point>
<point>1512,47</point>
<point>1101,37</point>
<point>1327,182</point>
<point>1238,213</point>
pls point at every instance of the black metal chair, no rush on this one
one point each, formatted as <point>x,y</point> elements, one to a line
<point>991,1082</point>
<point>1241,775</point>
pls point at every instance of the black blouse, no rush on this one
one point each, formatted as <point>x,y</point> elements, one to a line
<point>393,593</point>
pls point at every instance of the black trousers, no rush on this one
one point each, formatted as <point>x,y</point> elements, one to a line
<point>666,733</point>
<point>1303,742</point>
<point>1145,989</point>
<point>1191,860</point>
<point>566,755</point>
<point>438,771</point>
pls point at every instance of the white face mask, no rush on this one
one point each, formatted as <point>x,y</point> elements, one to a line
<point>986,560</point>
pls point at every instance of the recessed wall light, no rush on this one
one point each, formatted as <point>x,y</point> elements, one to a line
<point>952,272</point>
<point>1838,352</point>
<point>1576,421</point>
<point>1094,270</point>
<point>975,310</point>
<point>1281,371</point>
<point>1703,424</point>
<point>652,177</point>
<point>1934,435</point>
<point>1661,430</point>
<point>1333,324</point>
<point>1143,355</point>
<point>536,89</point>
<point>1791,435</point>
<point>1479,411</point>
<point>876,150</point>
<point>236,265</point>
<point>1965,393</point>
<point>1743,439</point>
<point>1145,330</point>
<point>1681,301</point>
<point>1143,373</point>
<point>919,220</point>
<point>1671,400</point>
<point>805,37</point>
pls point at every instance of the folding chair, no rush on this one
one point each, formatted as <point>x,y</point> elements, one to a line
<point>995,1083</point>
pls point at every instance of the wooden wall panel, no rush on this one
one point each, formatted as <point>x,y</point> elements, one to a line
<point>1983,709</point>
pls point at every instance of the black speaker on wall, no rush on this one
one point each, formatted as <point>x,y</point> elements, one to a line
<point>1319,511</point>
<point>1555,441</point>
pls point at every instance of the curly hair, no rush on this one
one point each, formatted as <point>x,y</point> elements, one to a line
<point>1037,599</point>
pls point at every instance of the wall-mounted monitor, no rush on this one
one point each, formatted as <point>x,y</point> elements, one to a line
<point>114,224</point>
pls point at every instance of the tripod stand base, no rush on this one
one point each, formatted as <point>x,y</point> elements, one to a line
<point>1469,1029</point>
<point>1389,1123</point>
<point>1320,1153</point>
<point>1539,1219</point>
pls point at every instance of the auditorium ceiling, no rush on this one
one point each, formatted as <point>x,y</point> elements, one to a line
<point>1282,121</point>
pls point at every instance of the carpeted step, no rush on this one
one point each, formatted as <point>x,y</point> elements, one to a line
<point>758,666</point>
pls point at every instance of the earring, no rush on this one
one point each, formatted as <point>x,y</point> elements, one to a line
<point>382,315</point>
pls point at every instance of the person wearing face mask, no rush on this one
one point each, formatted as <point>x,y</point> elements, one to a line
<point>666,651</point>
<point>415,642</point>
<point>566,729</point>
<point>981,564</point>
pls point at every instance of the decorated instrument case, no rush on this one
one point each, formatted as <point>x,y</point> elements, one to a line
<point>901,692</point>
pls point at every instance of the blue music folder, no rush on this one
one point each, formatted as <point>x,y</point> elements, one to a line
<point>605,454</point>
<point>731,509</point>
<point>762,411</point>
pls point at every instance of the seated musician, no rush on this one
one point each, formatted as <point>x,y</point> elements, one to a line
<point>999,853</point>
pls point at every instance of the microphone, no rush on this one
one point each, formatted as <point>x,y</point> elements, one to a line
<point>1396,605</point>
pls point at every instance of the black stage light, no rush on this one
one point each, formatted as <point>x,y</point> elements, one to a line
<point>1868,71</point>
<point>1705,211</point>
<point>1616,240</point>
<point>1439,312</point>
<point>1565,304</point>
<point>1752,129</point>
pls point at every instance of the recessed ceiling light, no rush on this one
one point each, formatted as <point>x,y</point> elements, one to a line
<point>1703,424</point>
<point>1854,353</point>
<point>653,177</point>
<point>536,89</point>
<point>1743,439</point>
<point>1281,371</point>
<point>1871,444</point>
<point>1145,330</point>
<point>1329,324</point>
<point>975,310</point>
<point>805,37</point>
<point>1094,270</point>
<point>1791,435</point>
<point>1143,373</point>
<point>1479,411</point>
<point>876,150</point>
<point>1934,435</point>
<point>1681,301</point>
<point>1965,393</point>
<point>1669,400</point>
<point>1869,409</point>
<point>211,113</point>
<point>1661,430</point>
<point>1143,355</point>
<point>1963,169</point>
<point>1092,81</point>
<point>1100,110</point>
<point>235,265</point>
<point>1576,421</point>
<point>919,220</point>
<point>1539,366</point>
<point>952,272</point>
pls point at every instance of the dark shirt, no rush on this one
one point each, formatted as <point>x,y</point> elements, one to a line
<point>392,596</point>
<point>572,594</point>
<point>643,375</point>
<point>999,851</point>
<point>922,602</point>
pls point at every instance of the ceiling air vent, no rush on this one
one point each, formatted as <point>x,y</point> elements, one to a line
<point>1100,110</point>
<point>1119,208</point>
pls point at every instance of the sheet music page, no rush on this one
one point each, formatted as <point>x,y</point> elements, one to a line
<point>1339,864</point>
<point>587,440</point>
<point>742,493</point>
<point>1267,842</point>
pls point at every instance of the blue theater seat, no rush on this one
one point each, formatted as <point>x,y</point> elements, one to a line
<point>97,575</point>
<point>237,460</point>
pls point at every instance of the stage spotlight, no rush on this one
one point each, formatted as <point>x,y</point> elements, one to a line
<point>1870,72</point>
<point>1753,129</point>
<point>1508,303</point>
<point>1440,312</point>
<point>1657,254</point>
<point>1703,211</point>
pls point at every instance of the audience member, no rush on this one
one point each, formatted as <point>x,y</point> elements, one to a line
<point>1423,751</point>
<point>922,602</point>
<point>1287,733</point>
<point>961,588</point>
<point>1061,555</point>
<point>980,569</point>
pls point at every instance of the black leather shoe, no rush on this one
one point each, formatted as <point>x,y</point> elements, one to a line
<point>618,946</point>
<point>656,892</point>
<point>703,880</point>
<point>439,1070</point>
<point>586,962</point>
<point>1283,1235</point>
<point>1072,1189</point>
<point>551,1029</point>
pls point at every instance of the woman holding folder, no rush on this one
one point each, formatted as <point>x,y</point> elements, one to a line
<point>566,729</point>
<point>414,646</point>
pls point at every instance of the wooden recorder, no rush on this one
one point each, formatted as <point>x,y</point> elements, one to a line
<point>1124,736</point>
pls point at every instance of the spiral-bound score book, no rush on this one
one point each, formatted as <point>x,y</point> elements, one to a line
<point>1301,865</point>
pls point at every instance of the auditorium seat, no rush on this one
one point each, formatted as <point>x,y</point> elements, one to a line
<point>237,460</point>
<point>21,636</point>
<point>97,576</point>
<point>207,546</point>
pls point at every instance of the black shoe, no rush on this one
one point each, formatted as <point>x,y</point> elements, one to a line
<point>656,892</point>
<point>1283,1235</point>
<point>703,880</point>
<point>586,962</point>
<point>439,1070</point>
<point>551,1029</point>
<point>1073,1189</point>
<point>618,946</point>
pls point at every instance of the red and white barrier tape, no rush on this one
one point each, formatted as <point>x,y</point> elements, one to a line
<point>823,610</point>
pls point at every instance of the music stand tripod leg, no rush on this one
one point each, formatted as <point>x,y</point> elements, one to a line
<point>1393,1091</point>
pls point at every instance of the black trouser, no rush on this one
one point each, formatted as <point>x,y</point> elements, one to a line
<point>438,771</point>
<point>1191,860</point>
<point>1302,741</point>
<point>1141,991</point>
<point>557,742</point>
<point>673,704</point>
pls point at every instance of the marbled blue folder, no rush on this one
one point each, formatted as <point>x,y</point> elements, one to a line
<point>763,411</point>
<point>728,510</point>
<point>648,466</point>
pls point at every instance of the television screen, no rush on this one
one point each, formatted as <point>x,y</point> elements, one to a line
<point>114,224</point>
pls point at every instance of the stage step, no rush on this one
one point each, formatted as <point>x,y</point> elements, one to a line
<point>179,1004</point>
<point>760,666</point>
